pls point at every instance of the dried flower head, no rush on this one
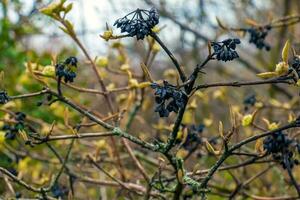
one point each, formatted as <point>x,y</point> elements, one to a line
<point>225,50</point>
<point>138,23</point>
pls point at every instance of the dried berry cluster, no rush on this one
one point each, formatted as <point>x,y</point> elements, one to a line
<point>67,69</point>
<point>140,24</point>
<point>168,98</point>
<point>59,191</point>
<point>258,35</point>
<point>249,101</point>
<point>280,146</point>
<point>4,98</point>
<point>12,130</point>
<point>296,65</point>
<point>225,50</point>
<point>193,138</point>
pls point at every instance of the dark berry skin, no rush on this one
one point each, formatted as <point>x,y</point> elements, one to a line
<point>71,61</point>
<point>140,24</point>
<point>64,72</point>
<point>296,66</point>
<point>4,98</point>
<point>18,195</point>
<point>11,131</point>
<point>194,137</point>
<point>168,98</point>
<point>225,50</point>
<point>279,146</point>
<point>257,37</point>
<point>59,191</point>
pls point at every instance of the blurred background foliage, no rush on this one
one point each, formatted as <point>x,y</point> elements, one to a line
<point>186,26</point>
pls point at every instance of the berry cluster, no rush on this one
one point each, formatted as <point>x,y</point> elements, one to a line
<point>140,24</point>
<point>279,145</point>
<point>258,35</point>
<point>67,69</point>
<point>225,50</point>
<point>296,64</point>
<point>168,98</point>
<point>59,191</point>
<point>12,130</point>
<point>4,98</point>
<point>194,137</point>
<point>249,101</point>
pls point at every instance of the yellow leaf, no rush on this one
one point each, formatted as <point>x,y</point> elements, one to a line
<point>298,83</point>
<point>259,146</point>
<point>133,83</point>
<point>207,122</point>
<point>170,73</point>
<point>221,129</point>
<point>155,29</point>
<point>101,144</point>
<point>63,29</point>
<point>259,104</point>
<point>188,117</point>
<point>285,51</point>
<point>282,68</point>
<point>102,62</point>
<point>23,164</point>
<point>144,84</point>
<point>29,67</point>
<point>179,135</point>
<point>51,8</point>
<point>23,135</point>
<point>251,22</point>
<point>273,126</point>
<point>49,70</point>
<point>275,103</point>
<point>193,105</point>
<point>107,35</point>
<point>219,94</point>
<point>247,120</point>
<point>69,25</point>
<point>210,148</point>
<point>111,86</point>
<point>181,153</point>
<point>124,67</point>
<point>292,117</point>
<point>180,175</point>
<point>267,74</point>
<point>2,139</point>
<point>155,48</point>
<point>69,8</point>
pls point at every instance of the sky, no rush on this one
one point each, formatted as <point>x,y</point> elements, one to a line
<point>90,17</point>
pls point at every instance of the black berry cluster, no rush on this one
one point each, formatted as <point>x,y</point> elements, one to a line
<point>194,137</point>
<point>280,146</point>
<point>168,98</point>
<point>225,50</point>
<point>4,98</point>
<point>12,130</point>
<point>140,24</point>
<point>18,195</point>
<point>67,69</point>
<point>59,191</point>
<point>249,101</point>
<point>258,35</point>
<point>296,64</point>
